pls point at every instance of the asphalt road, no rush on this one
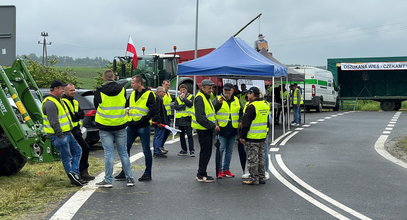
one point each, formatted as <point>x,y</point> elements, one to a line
<point>336,157</point>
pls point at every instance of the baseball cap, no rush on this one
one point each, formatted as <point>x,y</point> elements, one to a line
<point>207,82</point>
<point>254,90</point>
<point>57,83</point>
<point>228,86</point>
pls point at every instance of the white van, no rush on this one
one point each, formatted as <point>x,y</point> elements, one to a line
<point>319,89</point>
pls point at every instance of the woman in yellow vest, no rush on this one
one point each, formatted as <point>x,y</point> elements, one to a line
<point>204,122</point>
<point>253,134</point>
<point>183,105</point>
<point>58,126</point>
<point>228,112</point>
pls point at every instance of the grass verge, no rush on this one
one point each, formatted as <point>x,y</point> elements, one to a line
<point>37,189</point>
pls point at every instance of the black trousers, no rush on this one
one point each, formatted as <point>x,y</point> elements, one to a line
<point>188,131</point>
<point>205,138</point>
<point>83,164</point>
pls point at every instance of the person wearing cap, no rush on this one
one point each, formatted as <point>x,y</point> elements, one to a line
<point>77,114</point>
<point>58,127</point>
<point>184,111</point>
<point>228,113</point>
<point>111,119</point>
<point>297,101</point>
<point>204,122</point>
<point>253,134</point>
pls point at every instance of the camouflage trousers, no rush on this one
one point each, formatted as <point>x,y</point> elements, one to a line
<point>255,158</point>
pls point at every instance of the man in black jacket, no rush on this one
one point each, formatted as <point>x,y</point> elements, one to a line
<point>160,133</point>
<point>76,115</point>
<point>183,105</point>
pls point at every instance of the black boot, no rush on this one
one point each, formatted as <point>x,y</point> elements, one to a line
<point>121,176</point>
<point>85,175</point>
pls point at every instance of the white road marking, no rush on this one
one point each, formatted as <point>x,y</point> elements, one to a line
<point>389,129</point>
<point>304,195</point>
<point>392,122</point>
<point>70,207</point>
<point>328,117</point>
<point>316,192</point>
<point>288,138</point>
<point>340,114</point>
<point>306,126</point>
<point>395,120</point>
<point>334,115</point>
<point>390,125</point>
<point>314,123</point>
<point>279,138</point>
<point>299,129</point>
<point>274,149</point>
<point>379,147</point>
<point>321,120</point>
<point>386,132</point>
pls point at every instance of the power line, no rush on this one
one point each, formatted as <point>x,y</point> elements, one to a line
<point>44,48</point>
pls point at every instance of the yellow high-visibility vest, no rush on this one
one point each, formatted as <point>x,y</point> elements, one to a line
<point>283,95</point>
<point>74,109</point>
<point>63,117</point>
<point>209,112</point>
<point>138,109</point>
<point>112,111</point>
<point>167,101</point>
<point>258,127</point>
<point>227,113</point>
<point>295,97</point>
<point>189,111</point>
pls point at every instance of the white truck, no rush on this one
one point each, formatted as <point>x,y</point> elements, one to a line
<point>319,89</point>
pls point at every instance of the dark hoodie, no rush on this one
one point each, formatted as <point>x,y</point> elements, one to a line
<point>109,88</point>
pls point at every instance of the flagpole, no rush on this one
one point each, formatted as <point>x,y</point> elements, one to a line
<point>128,40</point>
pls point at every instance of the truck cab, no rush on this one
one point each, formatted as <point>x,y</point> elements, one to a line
<point>319,91</point>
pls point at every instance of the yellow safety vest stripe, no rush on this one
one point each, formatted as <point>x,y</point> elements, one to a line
<point>63,117</point>
<point>229,113</point>
<point>209,112</point>
<point>74,109</point>
<point>188,110</point>
<point>112,112</point>
<point>167,101</point>
<point>258,128</point>
<point>138,109</point>
<point>295,97</point>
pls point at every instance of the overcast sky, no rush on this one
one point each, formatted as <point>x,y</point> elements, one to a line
<point>299,32</point>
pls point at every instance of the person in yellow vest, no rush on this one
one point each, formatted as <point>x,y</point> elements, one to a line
<point>58,127</point>
<point>77,114</point>
<point>111,120</point>
<point>228,113</point>
<point>297,101</point>
<point>167,100</point>
<point>142,109</point>
<point>183,105</point>
<point>204,122</point>
<point>254,128</point>
<point>281,99</point>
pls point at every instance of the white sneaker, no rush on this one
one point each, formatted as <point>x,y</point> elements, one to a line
<point>267,175</point>
<point>246,176</point>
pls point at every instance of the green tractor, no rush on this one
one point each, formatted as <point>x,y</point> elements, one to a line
<point>21,135</point>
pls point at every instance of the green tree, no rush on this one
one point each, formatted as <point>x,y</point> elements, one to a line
<point>44,75</point>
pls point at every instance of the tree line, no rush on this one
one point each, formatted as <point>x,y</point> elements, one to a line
<point>69,61</point>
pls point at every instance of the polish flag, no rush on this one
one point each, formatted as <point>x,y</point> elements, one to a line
<point>132,49</point>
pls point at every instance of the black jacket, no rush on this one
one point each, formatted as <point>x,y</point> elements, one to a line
<point>109,88</point>
<point>229,130</point>
<point>151,105</point>
<point>247,119</point>
<point>75,116</point>
<point>200,112</point>
<point>162,112</point>
<point>184,121</point>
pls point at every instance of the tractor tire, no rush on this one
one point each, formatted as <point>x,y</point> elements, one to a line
<point>319,107</point>
<point>11,161</point>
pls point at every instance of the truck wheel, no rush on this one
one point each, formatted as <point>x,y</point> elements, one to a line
<point>11,161</point>
<point>387,105</point>
<point>398,106</point>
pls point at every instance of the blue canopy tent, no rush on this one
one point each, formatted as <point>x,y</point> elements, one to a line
<point>233,59</point>
<point>237,60</point>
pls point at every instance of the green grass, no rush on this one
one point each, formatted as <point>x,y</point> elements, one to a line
<point>85,74</point>
<point>37,189</point>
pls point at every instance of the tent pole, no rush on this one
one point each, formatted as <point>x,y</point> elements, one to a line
<point>288,104</point>
<point>273,113</point>
<point>196,42</point>
<point>282,103</point>
<point>303,97</point>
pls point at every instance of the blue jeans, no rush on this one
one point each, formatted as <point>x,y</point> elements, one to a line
<point>70,151</point>
<point>109,138</point>
<point>266,152</point>
<point>226,149</point>
<point>297,114</point>
<point>160,136</point>
<point>144,133</point>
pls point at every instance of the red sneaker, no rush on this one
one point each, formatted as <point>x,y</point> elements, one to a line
<point>227,173</point>
<point>221,174</point>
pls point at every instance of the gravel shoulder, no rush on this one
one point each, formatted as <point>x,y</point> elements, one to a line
<point>397,148</point>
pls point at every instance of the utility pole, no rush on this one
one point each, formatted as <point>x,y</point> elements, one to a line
<point>44,48</point>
